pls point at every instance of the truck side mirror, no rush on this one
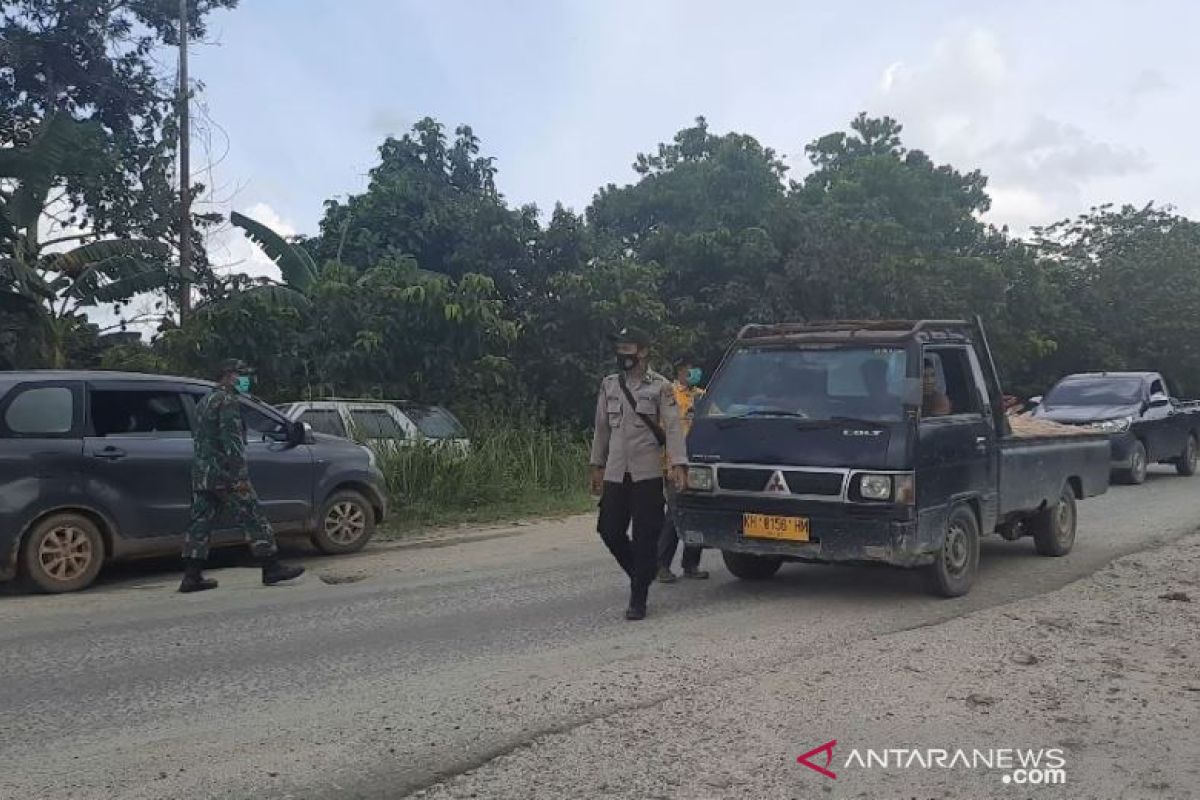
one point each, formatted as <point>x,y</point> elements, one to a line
<point>1158,400</point>
<point>1035,401</point>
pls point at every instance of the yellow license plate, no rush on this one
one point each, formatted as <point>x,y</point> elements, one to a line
<point>765,526</point>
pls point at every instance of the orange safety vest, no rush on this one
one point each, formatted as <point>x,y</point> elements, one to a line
<point>685,399</point>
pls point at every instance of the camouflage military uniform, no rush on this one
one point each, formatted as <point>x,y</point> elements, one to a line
<point>220,480</point>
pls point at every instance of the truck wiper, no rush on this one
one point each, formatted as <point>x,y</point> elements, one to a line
<point>759,412</point>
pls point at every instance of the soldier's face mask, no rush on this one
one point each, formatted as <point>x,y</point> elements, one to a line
<point>694,375</point>
<point>242,384</point>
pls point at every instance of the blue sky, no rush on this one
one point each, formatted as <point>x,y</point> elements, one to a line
<point>1063,105</point>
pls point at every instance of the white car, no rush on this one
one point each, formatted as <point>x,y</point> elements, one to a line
<point>381,423</point>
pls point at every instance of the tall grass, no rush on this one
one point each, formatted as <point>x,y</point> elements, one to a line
<point>513,467</point>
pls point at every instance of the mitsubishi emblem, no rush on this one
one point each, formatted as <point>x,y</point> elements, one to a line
<point>777,484</point>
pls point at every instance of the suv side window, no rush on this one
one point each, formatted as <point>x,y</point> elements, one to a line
<point>41,411</point>
<point>1157,387</point>
<point>138,412</point>
<point>261,426</point>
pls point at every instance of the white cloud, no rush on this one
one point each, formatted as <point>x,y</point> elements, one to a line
<point>970,103</point>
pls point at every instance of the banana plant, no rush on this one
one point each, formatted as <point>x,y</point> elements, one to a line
<point>56,285</point>
<point>296,266</point>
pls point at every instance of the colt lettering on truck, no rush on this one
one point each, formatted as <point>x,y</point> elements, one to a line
<point>879,442</point>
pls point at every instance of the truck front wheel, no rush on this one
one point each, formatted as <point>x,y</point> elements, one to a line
<point>1053,528</point>
<point>1136,473</point>
<point>958,561</point>
<point>750,567</point>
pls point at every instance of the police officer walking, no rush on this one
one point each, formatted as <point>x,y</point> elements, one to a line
<point>221,483</point>
<point>636,418</point>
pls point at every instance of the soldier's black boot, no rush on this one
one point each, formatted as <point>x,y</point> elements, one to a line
<point>273,572</point>
<point>193,577</point>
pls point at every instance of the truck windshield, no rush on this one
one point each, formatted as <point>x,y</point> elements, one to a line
<point>811,383</point>
<point>1098,392</point>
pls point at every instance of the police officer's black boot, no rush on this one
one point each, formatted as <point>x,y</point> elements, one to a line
<point>273,571</point>
<point>193,577</point>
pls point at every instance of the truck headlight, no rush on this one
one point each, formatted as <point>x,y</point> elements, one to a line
<point>1118,425</point>
<point>875,487</point>
<point>700,479</point>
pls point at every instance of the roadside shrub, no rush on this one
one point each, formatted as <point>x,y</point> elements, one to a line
<point>514,466</point>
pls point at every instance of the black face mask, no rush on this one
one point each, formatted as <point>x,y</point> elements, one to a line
<point>627,361</point>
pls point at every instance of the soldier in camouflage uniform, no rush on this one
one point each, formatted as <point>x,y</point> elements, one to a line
<point>221,484</point>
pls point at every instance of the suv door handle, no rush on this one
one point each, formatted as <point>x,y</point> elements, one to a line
<point>110,453</point>
<point>981,443</point>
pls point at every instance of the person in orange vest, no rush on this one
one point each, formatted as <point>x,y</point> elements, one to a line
<point>687,392</point>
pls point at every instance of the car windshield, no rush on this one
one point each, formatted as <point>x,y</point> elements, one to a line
<point>1098,392</point>
<point>435,422</point>
<point>811,383</point>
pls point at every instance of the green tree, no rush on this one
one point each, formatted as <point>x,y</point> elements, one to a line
<point>1132,275</point>
<point>59,285</point>
<point>705,210</point>
<point>437,202</point>
<point>98,61</point>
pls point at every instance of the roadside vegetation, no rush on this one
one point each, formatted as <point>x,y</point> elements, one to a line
<point>514,469</point>
<point>429,285</point>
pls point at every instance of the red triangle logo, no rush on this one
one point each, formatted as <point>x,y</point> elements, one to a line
<point>827,749</point>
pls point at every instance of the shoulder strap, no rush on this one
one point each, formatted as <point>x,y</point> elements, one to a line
<point>659,436</point>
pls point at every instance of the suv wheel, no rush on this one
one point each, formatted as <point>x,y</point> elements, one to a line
<point>63,553</point>
<point>347,523</point>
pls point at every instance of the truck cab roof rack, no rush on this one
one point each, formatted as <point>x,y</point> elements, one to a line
<point>873,328</point>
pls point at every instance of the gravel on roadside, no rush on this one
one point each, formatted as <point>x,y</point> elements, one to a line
<point>1105,670</point>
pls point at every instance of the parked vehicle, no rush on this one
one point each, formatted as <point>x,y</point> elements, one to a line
<point>96,467</point>
<point>381,423</point>
<point>1144,423</point>
<point>812,445</point>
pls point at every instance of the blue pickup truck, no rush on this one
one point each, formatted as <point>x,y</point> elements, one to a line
<point>1144,423</point>
<point>875,442</point>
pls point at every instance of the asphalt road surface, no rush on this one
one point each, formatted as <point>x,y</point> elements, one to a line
<point>382,674</point>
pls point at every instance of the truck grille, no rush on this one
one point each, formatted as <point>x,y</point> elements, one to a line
<point>824,483</point>
<point>744,479</point>
<point>754,479</point>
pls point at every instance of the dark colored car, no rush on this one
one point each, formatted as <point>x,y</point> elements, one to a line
<point>1144,423</point>
<point>96,467</point>
<point>881,442</point>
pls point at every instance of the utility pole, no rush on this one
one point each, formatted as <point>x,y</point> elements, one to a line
<point>185,173</point>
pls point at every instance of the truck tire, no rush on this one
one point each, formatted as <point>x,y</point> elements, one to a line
<point>347,523</point>
<point>750,567</point>
<point>1053,528</point>
<point>1136,474</point>
<point>63,553</point>
<point>1186,465</point>
<point>957,564</point>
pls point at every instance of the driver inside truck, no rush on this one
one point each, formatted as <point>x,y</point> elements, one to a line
<point>934,403</point>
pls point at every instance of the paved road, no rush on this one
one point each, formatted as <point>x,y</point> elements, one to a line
<point>380,674</point>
